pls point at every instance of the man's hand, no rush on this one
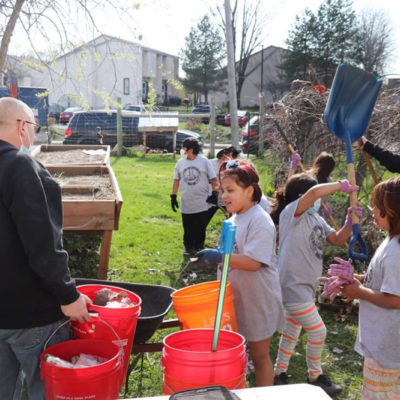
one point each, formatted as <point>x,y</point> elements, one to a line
<point>77,311</point>
<point>213,198</point>
<point>174,202</point>
<point>208,257</point>
<point>361,142</point>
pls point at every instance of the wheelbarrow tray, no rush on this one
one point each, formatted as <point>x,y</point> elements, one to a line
<point>156,302</point>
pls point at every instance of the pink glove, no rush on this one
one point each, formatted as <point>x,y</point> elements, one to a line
<point>295,160</point>
<point>327,210</point>
<point>358,212</point>
<point>346,187</point>
<point>343,270</point>
<point>332,287</point>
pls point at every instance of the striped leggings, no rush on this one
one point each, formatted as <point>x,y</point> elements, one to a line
<point>300,315</point>
<point>380,383</point>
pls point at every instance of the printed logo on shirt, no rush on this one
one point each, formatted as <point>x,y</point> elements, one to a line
<point>317,240</point>
<point>191,175</point>
<point>368,278</point>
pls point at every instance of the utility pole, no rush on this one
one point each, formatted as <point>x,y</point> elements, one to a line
<point>119,128</point>
<point>212,128</point>
<point>262,109</point>
<point>262,71</point>
<point>231,75</point>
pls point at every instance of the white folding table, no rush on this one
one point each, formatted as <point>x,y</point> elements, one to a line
<point>284,392</point>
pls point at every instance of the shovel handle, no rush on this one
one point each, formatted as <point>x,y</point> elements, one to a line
<point>356,237</point>
<point>370,167</point>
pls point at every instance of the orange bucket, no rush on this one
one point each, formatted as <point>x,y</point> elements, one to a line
<point>196,306</point>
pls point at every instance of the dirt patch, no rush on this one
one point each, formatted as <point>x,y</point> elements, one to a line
<point>85,187</point>
<point>69,157</point>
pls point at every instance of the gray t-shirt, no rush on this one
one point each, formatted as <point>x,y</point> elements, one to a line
<point>264,204</point>
<point>301,242</point>
<point>215,164</point>
<point>258,300</point>
<point>194,176</point>
<point>379,328</point>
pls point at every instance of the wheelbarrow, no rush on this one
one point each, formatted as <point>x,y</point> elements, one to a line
<point>156,303</point>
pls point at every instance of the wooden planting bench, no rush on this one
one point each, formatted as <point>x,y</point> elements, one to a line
<point>91,196</point>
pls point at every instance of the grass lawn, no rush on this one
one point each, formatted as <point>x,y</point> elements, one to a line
<point>148,248</point>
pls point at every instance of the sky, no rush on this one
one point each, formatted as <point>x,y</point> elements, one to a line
<point>163,24</point>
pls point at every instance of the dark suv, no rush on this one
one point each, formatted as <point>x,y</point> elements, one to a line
<point>100,127</point>
<point>205,109</point>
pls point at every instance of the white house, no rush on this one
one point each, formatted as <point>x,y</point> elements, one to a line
<point>95,74</point>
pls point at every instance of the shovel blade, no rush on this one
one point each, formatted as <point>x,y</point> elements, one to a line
<point>351,101</point>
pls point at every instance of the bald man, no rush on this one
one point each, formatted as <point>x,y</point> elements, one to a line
<point>37,293</point>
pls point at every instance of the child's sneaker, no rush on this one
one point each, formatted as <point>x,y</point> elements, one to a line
<point>324,383</point>
<point>281,379</point>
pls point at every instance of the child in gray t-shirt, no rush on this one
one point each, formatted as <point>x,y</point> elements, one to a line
<point>302,235</point>
<point>378,338</point>
<point>192,176</point>
<point>253,273</point>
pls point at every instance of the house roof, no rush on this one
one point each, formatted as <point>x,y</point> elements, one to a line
<point>105,38</point>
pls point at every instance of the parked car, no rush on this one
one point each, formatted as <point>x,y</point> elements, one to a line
<point>54,111</point>
<point>135,107</point>
<point>100,127</point>
<point>206,109</point>
<point>243,118</point>
<point>250,134</point>
<point>67,114</point>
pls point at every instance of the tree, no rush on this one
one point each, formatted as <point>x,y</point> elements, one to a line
<point>248,23</point>
<point>376,40</point>
<point>202,57</point>
<point>324,39</point>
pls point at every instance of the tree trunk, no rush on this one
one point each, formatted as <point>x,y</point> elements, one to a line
<point>5,41</point>
<point>231,75</point>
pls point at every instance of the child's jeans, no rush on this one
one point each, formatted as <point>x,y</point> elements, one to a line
<point>20,349</point>
<point>302,315</point>
<point>380,383</point>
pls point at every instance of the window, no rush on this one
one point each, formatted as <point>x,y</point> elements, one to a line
<point>126,85</point>
<point>145,90</point>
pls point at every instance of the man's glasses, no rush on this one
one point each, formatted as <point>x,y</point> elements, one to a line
<point>37,126</point>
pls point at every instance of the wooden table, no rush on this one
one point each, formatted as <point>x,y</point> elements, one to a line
<point>285,392</point>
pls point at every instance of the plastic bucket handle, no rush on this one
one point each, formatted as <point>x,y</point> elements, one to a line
<point>94,314</point>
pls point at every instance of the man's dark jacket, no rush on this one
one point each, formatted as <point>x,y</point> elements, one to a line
<point>34,274</point>
<point>385,157</point>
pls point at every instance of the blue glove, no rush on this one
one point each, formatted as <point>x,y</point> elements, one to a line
<point>208,257</point>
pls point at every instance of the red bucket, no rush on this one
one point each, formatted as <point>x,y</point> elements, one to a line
<point>188,361</point>
<point>122,320</point>
<point>100,382</point>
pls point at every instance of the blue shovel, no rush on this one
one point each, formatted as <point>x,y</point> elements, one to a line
<point>347,113</point>
<point>225,246</point>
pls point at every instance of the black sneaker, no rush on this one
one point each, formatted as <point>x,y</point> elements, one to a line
<point>188,252</point>
<point>281,379</point>
<point>324,383</point>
